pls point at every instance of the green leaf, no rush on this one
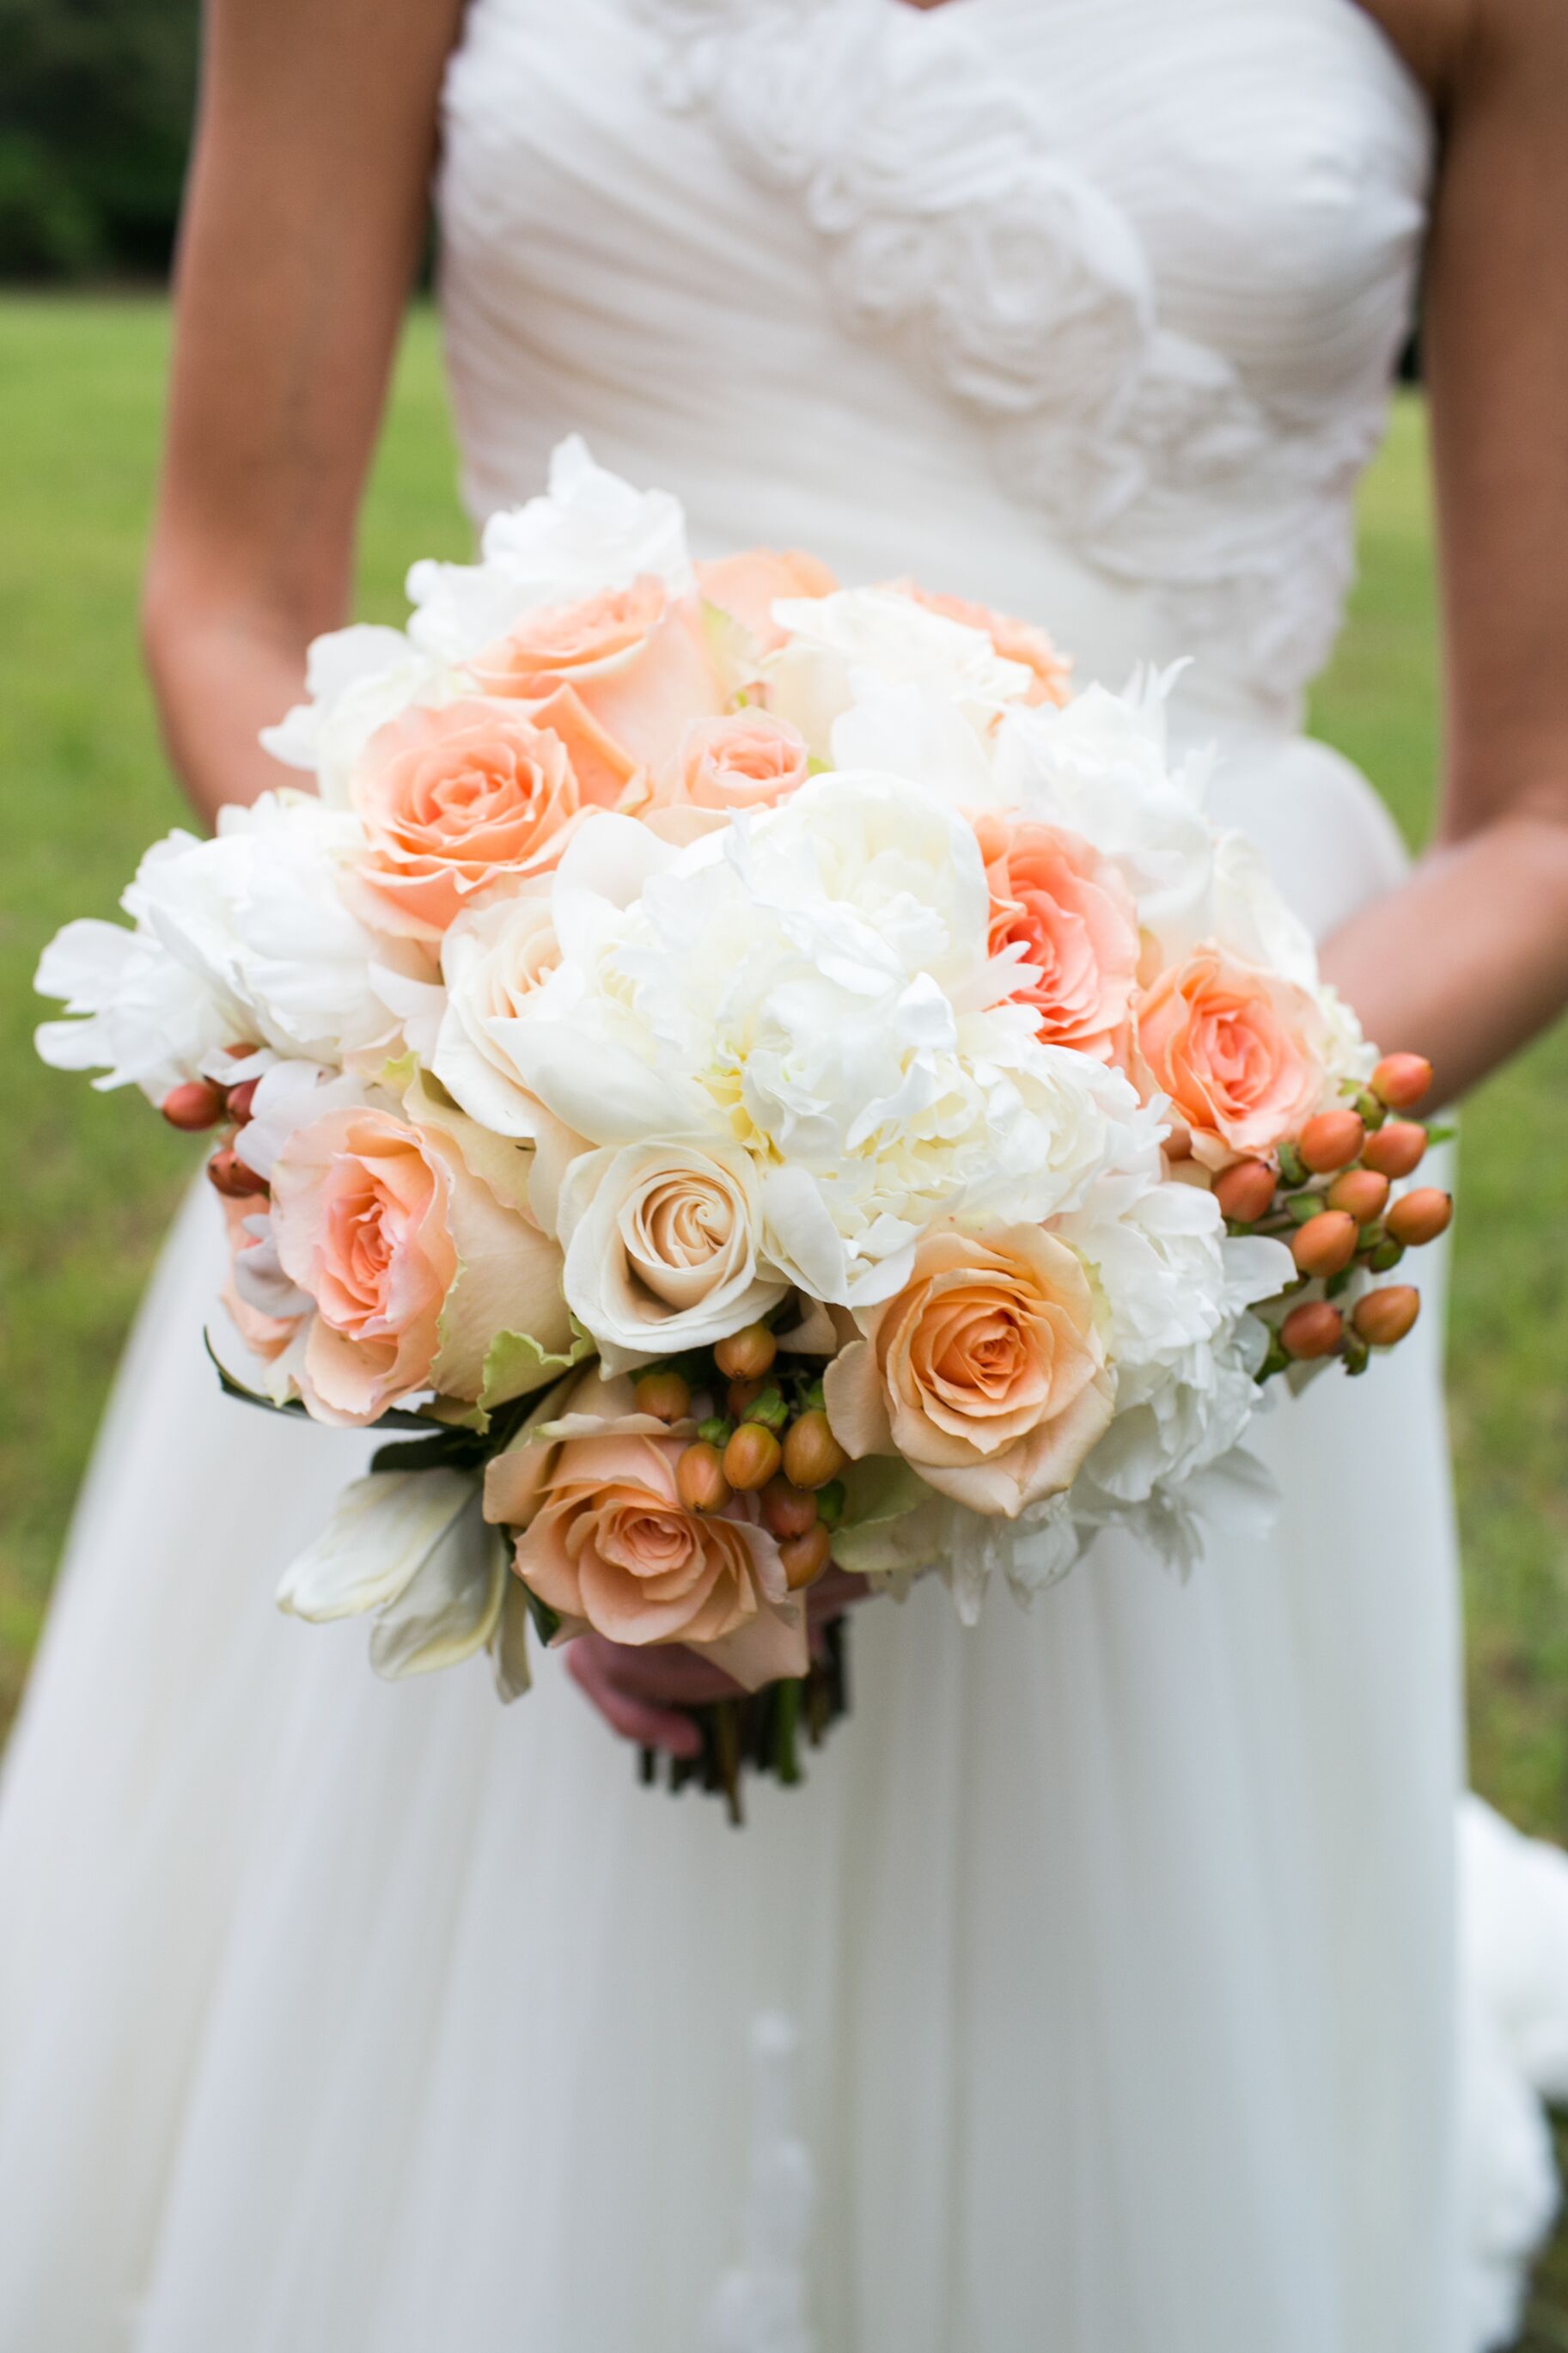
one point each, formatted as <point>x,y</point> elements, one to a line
<point>515,1366</point>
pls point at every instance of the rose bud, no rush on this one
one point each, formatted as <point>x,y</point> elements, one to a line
<point>230,1173</point>
<point>240,1099</point>
<point>1385,1317</point>
<point>699,1480</point>
<point>1361,1193</point>
<point>812,1455</point>
<point>664,1395</point>
<point>747,1355</point>
<point>1246,1192</point>
<point>1401,1079</point>
<point>1312,1329</point>
<point>1331,1140</point>
<point>196,1105</point>
<point>1420,1216</point>
<point>804,1557</point>
<point>1326,1244</point>
<point>787,1511</point>
<point>1396,1148</point>
<point>752,1458</point>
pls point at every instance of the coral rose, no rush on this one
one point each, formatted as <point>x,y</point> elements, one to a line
<point>613,1545</point>
<point>1018,641</point>
<point>635,660</point>
<point>412,1263</point>
<point>1239,1050</point>
<point>985,1373</point>
<point>744,759</point>
<point>454,801</point>
<point>1069,910</point>
<point>746,586</point>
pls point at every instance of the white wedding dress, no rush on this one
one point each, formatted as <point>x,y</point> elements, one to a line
<point>1120,1937</point>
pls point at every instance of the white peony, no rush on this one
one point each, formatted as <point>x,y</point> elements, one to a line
<point>244,939</point>
<point>591,532</point>
<point>844,646</point>
<point>815,986</point>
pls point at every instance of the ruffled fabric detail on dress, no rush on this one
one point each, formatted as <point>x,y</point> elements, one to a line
<point>1513,1978</point>
<point>950,221</point>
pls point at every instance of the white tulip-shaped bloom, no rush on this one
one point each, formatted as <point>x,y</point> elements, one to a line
<point>814,985</point>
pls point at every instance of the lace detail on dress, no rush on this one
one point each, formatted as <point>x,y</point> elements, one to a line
<point>1024,290</point>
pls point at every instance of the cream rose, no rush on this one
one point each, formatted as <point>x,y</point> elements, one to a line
<point>494,960</point>
<point>985,1373</point>
<point>661,1248</point>
<point>1239,1053</point>
<point>635,660</point>
<point>412,1264</point>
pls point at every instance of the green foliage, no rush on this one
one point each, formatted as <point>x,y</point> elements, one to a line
<point>95,112</point>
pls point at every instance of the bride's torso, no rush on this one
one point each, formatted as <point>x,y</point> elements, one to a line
<point>1089,308</point>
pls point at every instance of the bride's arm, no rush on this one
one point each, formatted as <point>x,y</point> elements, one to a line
<point>301,230</point>
<point>1471,956</point>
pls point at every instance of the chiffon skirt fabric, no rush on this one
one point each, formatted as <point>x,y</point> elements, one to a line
<point>348,2018</point>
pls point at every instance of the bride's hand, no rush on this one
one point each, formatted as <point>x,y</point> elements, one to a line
<point>643,1691</point>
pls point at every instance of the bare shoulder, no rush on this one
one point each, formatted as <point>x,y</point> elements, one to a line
<point>1449,44</point>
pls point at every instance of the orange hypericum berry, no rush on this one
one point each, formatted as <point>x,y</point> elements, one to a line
<point>1420,1216</point>
<point>1332,1140</point>
<point>230,1173</point>
<point>1326,1244</point>
<point>1312,1329</point>
<point>1361,1193</point>
<point>665,1396</point>
<point>1401,1079</point>
<point>804,1557</point>
<point>752,1458</point>
<point>787,1511</point>
<point>196,1105</point>
<point>1246,1192</point>
<point>812,1455</point>
<point>699,1478</point>
<point>1385,1317</point>
<point>1396,1148</point>
<point>746,1355</point>
<point>1179,1141</point>
<point>240,1099</point>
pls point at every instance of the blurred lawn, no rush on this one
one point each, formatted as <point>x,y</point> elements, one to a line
<point>86,1182</point>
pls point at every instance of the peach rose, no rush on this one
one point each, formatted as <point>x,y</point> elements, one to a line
<point>1069,909</point>
<point>413,1263</point>
<point>456,800</point>
<point>746,586</point>
<point>1238,1052</point>
<point>635,659</point>
<point>985,1373</point>
<point>265,1335</point>
<point>1018,641</point>
<point>744,759</point>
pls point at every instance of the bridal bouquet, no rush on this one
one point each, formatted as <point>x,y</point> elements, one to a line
<point>753,1074</point>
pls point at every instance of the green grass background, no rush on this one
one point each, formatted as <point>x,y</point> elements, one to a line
<point>87,1181</point>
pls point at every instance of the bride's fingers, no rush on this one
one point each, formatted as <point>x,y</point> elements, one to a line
<point>636,1719</point>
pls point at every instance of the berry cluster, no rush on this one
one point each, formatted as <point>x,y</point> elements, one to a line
<point>763,1430</point>
<point>1330,1194</point>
